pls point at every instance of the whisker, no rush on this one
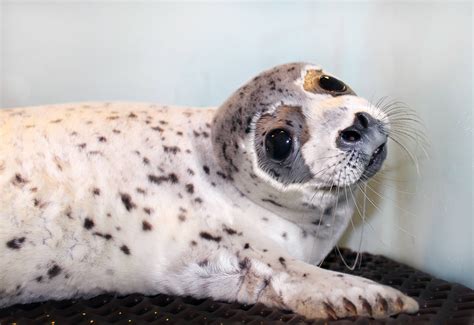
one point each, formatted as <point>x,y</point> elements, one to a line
<point>353,227</point>
<point>379,210</point>
<point>396,205</point>
<point>392,187</point>
<point>364,220</point>
<point>413,158</point>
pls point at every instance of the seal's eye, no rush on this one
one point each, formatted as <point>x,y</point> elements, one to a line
<point>331,84</point>
<point>278,144</point>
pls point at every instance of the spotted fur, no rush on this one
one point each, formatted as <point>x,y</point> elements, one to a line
<point>119,197</point>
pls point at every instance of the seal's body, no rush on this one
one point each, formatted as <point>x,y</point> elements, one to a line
<point>236,203</point>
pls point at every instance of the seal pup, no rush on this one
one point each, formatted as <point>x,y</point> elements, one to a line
<point>238,203</point>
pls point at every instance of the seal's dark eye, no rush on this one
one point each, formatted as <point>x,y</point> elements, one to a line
<point>278,144</point>
<point>331,84</point>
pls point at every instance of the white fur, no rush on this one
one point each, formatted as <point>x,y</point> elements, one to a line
<point>47,182</point>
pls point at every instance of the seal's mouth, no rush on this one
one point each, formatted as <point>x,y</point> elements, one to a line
<point>367,165</point>
<point>375,162</point>
<point>376,155</point>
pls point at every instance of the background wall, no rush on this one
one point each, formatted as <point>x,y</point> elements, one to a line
<point>197,54</point>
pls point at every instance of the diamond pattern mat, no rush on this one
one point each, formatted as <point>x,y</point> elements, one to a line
<point>441,302</point>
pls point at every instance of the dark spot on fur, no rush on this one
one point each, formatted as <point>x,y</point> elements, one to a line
<point>179,133</point>
<point>54,271</point>
<point>16,243</point>
<point>193,243</point>
<point>272,202</point>
<point>19,180</point>
<point>96,191</point>
<point>127,201</point>
<point>190,171</point>
<point>190,188</point>
<point>56,121</point>
<point>146,161</point>
<point>208,236</point>
<point>157,179</point>
<point>173,178</point>
<point>229,231</point>
<point>105,236</point>
<point>88,224</point>
<point>116,131</point>
<point>157,128</point>
<point>148,210</point>
<point>203,263</point>
<point>182,217</point>
<point>132,115</point>
<point>282,261</point>
<point>198,200</point>
<point>125,249</point>
<point>284,235</point>
<point>102,139</point>
<point>82,145</point>
<point>146,226</point>
<point>206,169</point>
<point>244,264</point>
<point>160,179</point>
<point>140,190</point>
<point>246,246</point>
<point>173,149</point>
<point>39,278</point>
<point>328,211</point>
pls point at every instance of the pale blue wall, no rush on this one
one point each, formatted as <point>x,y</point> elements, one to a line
<point>196,54</point>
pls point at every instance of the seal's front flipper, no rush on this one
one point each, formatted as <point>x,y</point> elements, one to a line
<point>250,276</point>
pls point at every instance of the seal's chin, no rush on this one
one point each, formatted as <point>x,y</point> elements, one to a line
<point>375,162</point>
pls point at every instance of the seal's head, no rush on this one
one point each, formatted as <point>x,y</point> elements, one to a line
<point>296,129</point>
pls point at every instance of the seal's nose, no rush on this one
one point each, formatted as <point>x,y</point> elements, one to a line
<point>364,134</point>
<point>359,129</point>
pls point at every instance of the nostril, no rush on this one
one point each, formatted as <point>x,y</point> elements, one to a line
<point>363,119</point>
<point>350,136</point>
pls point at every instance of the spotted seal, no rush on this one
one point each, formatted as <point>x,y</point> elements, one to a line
<point>238,203</point>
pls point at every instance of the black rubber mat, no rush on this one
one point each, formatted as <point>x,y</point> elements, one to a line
<point>441,303</point>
